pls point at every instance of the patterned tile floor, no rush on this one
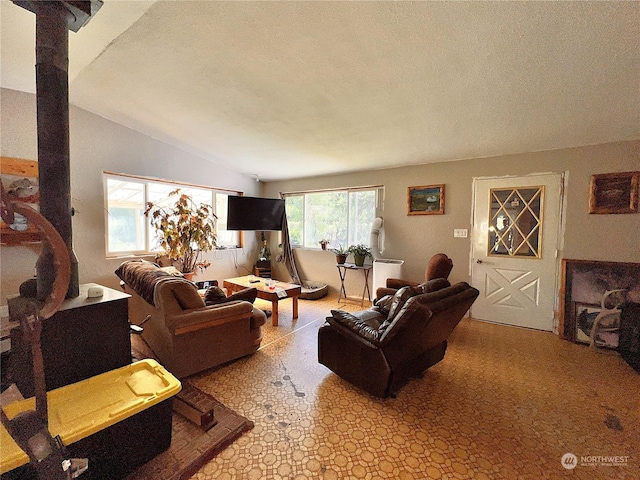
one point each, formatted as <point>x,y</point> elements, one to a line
<point>505,403</point>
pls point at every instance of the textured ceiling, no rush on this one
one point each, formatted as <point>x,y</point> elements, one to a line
<point>295,89</point>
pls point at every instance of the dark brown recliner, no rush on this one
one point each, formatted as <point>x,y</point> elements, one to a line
<point>439,266</point>
<point>382,348</point>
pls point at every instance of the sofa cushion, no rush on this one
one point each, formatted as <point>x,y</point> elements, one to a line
<point>383,304</point>
<point>371,317</point>
<point>403,295</point>
<point>215,295</point>
<point>360,326</point>
<point>174,294</point>
<point>400,298</point>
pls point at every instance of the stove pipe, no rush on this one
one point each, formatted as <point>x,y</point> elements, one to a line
<point>53,21</point>
<point>52,87</point>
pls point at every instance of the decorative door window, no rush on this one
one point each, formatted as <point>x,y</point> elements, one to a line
<point>515,222</point>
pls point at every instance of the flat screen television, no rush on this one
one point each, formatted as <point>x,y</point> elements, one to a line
<point>254,213</point>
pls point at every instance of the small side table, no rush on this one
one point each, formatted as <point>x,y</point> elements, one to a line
<point>262,272</point>
<point>342,271</point>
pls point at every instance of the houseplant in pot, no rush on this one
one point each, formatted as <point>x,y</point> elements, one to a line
<point>185,231</point>
<point>341,254</point>
<point>360,253</point>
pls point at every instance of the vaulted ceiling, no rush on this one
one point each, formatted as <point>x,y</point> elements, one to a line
<point>295,89</point>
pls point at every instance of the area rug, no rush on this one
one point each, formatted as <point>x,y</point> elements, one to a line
<point>191,447</point>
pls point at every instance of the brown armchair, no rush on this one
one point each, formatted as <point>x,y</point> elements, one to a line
<point>382,348</point>
<point>439,266</point>
<point>186,335</point>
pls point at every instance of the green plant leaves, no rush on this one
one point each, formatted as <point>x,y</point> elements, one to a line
<point>186,230</point>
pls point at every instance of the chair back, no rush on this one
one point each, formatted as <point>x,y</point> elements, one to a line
<point>439,266</point>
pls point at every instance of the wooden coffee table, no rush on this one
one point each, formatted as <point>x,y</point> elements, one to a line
<point>286,290</point>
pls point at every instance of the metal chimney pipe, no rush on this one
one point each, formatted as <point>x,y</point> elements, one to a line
<point>52,87</point>
<point>54,18</point>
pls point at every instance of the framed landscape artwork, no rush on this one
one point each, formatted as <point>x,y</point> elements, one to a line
<point>425,200</point>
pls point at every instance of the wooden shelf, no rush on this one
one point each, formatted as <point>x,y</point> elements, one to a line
<point>16,168</point>
<point>11,237</point>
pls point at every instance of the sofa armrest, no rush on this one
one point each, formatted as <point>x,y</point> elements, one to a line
<point>446,298</point>
<point>398,283</point>
<point>258,318</point>
<point>348,334</point>
<point>205,317</point>
<point>359,328</point>
<point>382,291</point>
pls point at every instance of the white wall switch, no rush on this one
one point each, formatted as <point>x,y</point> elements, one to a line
<point>460,233</point>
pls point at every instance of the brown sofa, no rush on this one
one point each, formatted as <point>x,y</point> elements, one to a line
<point>186,335</point>
<point>402,335</point>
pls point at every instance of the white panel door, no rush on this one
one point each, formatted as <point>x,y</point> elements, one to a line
<point>514,249</point>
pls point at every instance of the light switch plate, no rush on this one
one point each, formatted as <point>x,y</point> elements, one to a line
<point>460,233</point>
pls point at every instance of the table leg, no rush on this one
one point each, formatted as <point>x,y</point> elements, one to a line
<point>343,292</point>
<point>366,287</point>
<point>274,313</point>
<point>295,307</point>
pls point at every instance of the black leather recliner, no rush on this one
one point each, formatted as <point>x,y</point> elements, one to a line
<point>402,335</point>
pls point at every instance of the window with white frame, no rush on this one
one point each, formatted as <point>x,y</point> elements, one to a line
<point>130,232</point>
<point>344,217</point>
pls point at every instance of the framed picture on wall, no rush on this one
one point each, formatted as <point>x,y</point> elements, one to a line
<point>614,193</point>
<point>425,200</point>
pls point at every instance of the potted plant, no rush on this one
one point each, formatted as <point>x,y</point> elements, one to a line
<point>360,252</point>
<point>186,230</point>
<point>323,243</point>
<point>341,254</point>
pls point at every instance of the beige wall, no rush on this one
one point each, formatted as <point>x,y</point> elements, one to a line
<point>416,238</point>
<point>99,145</point>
